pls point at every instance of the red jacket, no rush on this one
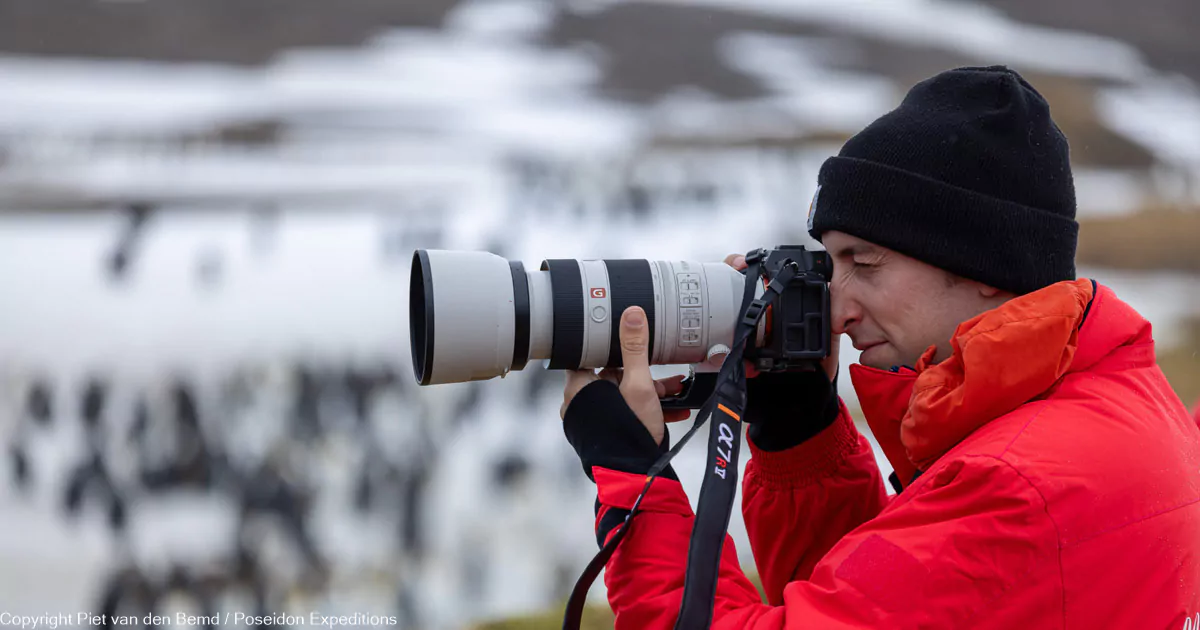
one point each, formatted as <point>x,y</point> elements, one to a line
<point>1060,489</point>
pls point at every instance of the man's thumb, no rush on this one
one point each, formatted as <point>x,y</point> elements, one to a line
<point>635,337</point>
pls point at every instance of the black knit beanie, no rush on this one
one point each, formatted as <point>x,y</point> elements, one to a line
<point>968,174</point>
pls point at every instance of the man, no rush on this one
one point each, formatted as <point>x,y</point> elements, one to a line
<point>1047,475</point>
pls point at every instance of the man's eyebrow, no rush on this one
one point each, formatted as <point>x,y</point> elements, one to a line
<point>854,250</point>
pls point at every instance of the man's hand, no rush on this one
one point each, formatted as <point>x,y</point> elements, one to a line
<point>639,389</point>
<point>785,409</point>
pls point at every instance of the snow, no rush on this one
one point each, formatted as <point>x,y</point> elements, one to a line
<point>62,96</point>
<point>1108,192</point>
<point>503,19</point>
<point>1163,113</point>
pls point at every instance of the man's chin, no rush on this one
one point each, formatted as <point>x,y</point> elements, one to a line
<point>877,356</point>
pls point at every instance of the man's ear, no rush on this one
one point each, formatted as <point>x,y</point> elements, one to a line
<point>992,292</point>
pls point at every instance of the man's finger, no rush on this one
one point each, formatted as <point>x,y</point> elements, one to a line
<point>579,378</point>
<point>635,353</point>
<point>670,386</point>
<point>611,375</point>
<point>676,415</point>
<point>576,380</point>
<point>737,261</point>
<point>830,363</point>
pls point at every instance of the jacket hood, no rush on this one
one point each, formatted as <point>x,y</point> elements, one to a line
<point>1000,360</point>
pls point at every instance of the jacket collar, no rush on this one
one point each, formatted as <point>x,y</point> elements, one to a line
<point>1000,360</point>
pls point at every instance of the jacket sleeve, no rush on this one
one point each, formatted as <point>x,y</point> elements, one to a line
<point>797,503</point>
<point>949,556</point>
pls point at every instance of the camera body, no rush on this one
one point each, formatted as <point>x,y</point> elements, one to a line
<point>797,327</point>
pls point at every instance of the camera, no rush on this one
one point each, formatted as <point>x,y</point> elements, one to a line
<point>475,316</point>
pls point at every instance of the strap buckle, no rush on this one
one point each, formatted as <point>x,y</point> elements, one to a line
<point>755,256</point>
<point>754,312</point>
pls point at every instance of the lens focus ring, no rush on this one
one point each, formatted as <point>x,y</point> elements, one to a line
<point>566,348</point>
<point>630,284</point>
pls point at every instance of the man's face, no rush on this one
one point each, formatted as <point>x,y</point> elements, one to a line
<point>894,307</point>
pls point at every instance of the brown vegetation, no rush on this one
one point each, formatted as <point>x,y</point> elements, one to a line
<point>1181,363</point>
<point>1164,238</point>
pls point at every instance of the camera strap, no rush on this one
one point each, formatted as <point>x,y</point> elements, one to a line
<point>719,488</point>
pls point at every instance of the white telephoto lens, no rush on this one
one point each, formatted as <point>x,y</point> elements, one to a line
<point>475,315</point>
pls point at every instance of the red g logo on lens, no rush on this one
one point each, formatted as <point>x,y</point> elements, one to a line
<point>599,293</point>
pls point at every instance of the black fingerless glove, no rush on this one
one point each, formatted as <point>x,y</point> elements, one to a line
<point>786,408</point>
<point>605,432</point>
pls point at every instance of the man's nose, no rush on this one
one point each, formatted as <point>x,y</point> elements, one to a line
<point>844,310</point>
